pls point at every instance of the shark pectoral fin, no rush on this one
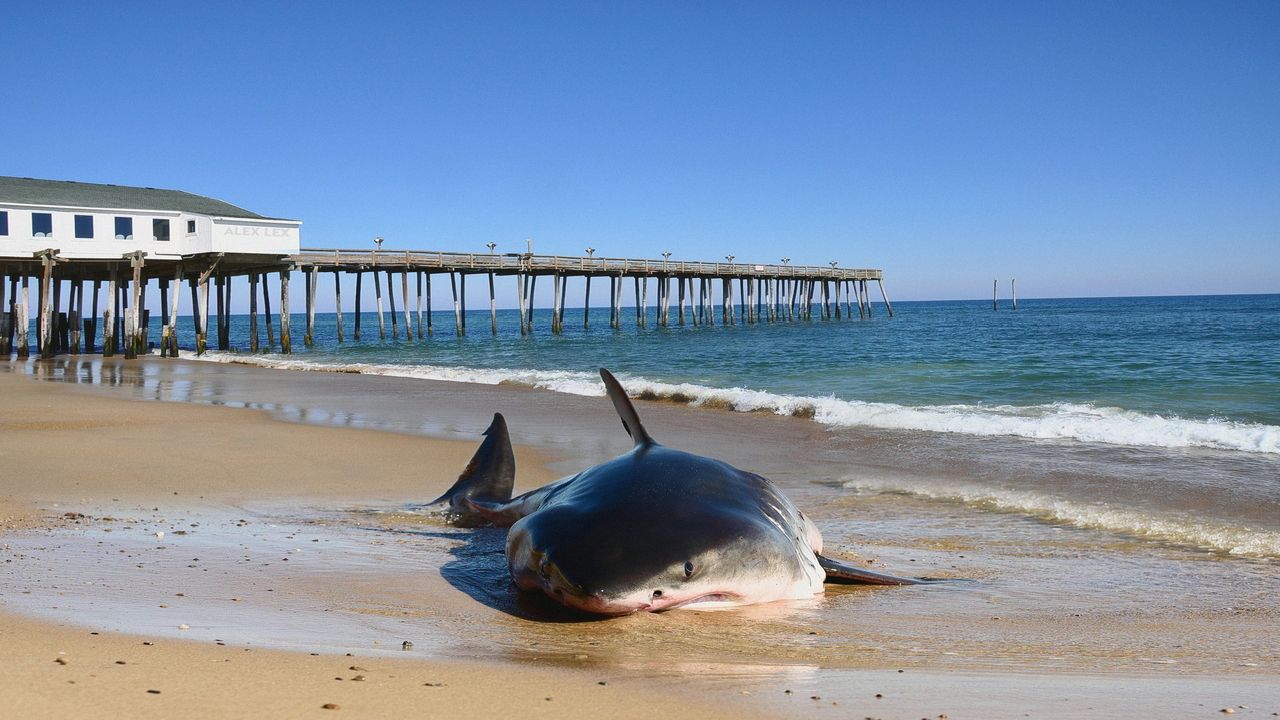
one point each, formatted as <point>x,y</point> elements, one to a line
<point>838,572</point>
<point>490,476</point>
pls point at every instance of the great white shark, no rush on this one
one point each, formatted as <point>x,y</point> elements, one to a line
<point>651,530</point>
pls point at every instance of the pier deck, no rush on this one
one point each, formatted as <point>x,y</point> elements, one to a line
<point>765,293</point>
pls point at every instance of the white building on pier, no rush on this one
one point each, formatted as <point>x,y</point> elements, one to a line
<point>89,221</point>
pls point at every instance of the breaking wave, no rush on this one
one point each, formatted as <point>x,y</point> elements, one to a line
<point>1052,421</point>
<point>1168,528</point>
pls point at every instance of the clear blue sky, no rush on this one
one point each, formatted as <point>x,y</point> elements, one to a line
<point>1087,148</point>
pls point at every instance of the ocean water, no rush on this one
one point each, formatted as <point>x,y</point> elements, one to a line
<point>1165,372</point>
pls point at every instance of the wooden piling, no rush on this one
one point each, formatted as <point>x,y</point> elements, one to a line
<point>586,301</point>
<point>555,304</point>
<point>887,306</point>
<point>995,295</point>
<point>1013,291</point>
<point>164,320</point>
<point>644,302</point>
<point>43,339</point>
<point>457,307</point>
<point>266,310</point>
<point>173,311</point>
<point>253,312</point>
<point>522,294</point>
<point>419,275</point>
<point>24,320</point>
<point>391,300</point>
<point>429,321</point>
<point>286,341</point>
<point>309,304</point>
<point>533,285</point>
<point>404,300</point>
<point>377,298</point>
<point>359,278</point>
<point>337,306</point>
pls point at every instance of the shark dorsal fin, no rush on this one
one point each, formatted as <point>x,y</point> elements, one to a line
<point>626,411</point>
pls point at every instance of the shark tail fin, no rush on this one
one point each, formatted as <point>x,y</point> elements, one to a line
<point>626,411</point>
<point>490,476</point>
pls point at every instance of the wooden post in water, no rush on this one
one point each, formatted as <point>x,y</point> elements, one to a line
<point>462,299</point>
<point>522,295</point>
<point>253,312</point>
<point>24,320</point>
<point>266,309</point>
<point>680,299</point>
<point>644,301</point>
<point>995,295</point>
<point>404,299</point>
<point>220,306</point>
<point>419,275</point>
<point>637,284</point>
<point>308,305</point>
<point>337,305</point>
<point>586,301</point>
<point>533,286</point>
<point>91,322</point>
<point>173,311</point>
<point>359,279</point>
<point>457,307</point>
<point>75,307</point>
<point>564,297</point>
<point>887,306</point>
<point>555,303</point>
<point>377,300</point>
<point>286,319</point>
<point>391,300</point>
<point>164,319</point>
<point>1013,291</point>
<point>109,317</point>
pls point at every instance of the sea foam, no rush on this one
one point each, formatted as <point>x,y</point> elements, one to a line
<point>1162,527</point>
<point>1051,421</point>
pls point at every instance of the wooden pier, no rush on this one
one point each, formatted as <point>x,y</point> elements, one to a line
<point>739,293</point>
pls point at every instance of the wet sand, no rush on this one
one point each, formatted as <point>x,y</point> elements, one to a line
<point>300,537</point>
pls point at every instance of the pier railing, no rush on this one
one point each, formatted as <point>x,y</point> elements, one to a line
<point>511,263</point>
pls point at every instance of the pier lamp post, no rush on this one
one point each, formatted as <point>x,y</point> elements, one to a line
<point>491,245</point>
<point>591,252</point>
<point>729,258</point>
<point>833,266</point>
<point>378,242</point>
<point>665,255</point>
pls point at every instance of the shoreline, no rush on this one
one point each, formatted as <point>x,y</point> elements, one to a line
<point>113,432</point>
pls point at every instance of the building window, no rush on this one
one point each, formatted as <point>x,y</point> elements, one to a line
<point>41,225</point>
<point>84,227</point>
<point>4,222</point>
<point>191,227</point>
<point>124,228</point>
<point>160,230</point>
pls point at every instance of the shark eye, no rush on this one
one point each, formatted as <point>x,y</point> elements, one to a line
<point>688,569</point>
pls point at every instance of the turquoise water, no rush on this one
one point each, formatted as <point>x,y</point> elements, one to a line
<point>1168,371</point>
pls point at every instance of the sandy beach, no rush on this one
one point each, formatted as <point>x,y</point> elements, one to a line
<point>164,557</point>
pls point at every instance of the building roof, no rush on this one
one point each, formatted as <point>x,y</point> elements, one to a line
<point>94,195</point>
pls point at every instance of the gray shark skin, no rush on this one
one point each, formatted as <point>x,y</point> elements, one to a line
<point>654,529</point>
